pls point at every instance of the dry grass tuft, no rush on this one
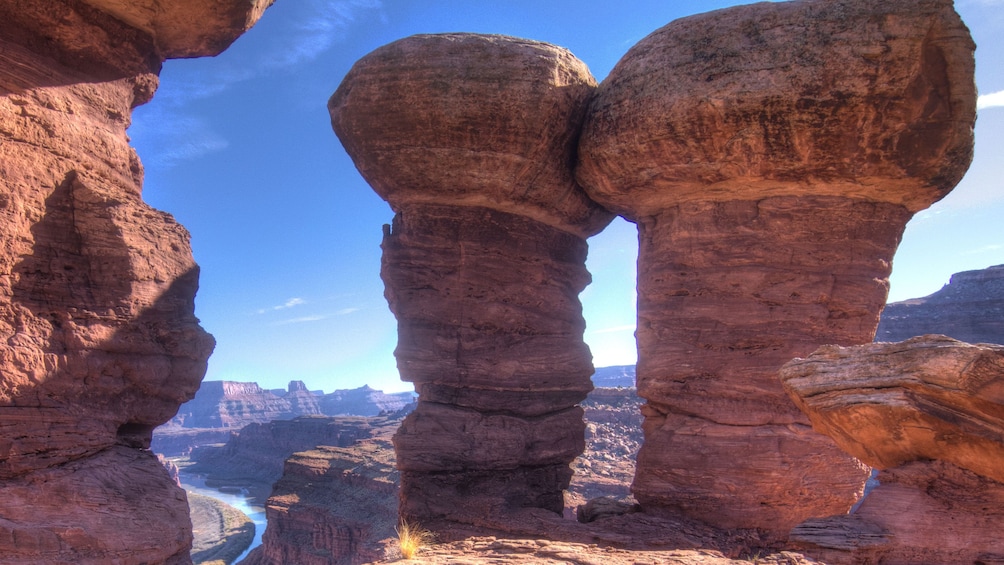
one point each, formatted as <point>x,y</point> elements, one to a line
<point>411,538</point>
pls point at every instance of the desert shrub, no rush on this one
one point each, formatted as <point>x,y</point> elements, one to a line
<point>411,538</point>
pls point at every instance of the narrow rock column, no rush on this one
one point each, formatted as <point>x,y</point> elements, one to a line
<point>771,156</point>
<point>471,138</point>
<point>99,343</point>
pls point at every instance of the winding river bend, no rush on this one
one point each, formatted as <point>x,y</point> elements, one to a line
<point>197,484</point>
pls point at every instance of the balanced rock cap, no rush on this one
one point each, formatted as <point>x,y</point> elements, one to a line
<point>867,100</point>
<point>471,120</point>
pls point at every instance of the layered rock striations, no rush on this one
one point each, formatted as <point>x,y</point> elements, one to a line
<point>770,183</point>
<point>221,408</point>
<point>338,505</point>
<point>254,456</point>
<point>233,405</point>
<point>470,138</point>
<point>99,340</point>
<point>334,505</point>
<point>929,413</point>
<point>969,308</point>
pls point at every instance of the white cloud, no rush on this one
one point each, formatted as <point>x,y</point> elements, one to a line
<point>169,139</point>
<point>317,30</point>
<point>992,100</point>
<point>345,311</point>
<point>300,320</point>
<point>295,301</point>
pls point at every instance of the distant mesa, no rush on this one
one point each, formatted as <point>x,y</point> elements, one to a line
<point>222,407</point>
<point>233,404</point>
<point>969,308</point>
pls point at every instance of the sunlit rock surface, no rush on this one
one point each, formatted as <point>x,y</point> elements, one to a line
<point>928,412</point>
<point>771,156</point>
<point>471,138</point>
<point>100,343</point>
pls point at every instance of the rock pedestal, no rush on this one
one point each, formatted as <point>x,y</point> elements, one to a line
<point>99,341</point>
<point>470,138</point>
<point>771,156</point>
<point>928,412</point>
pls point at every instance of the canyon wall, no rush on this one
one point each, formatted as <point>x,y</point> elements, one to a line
<point>484,261</point>
<point>100,342</point>
<point>969,308</point>
<point>771,156</point>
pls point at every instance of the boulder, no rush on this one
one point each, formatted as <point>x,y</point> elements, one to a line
<point>470,138</point>
<point>99,343</point>
<point>771,156</point>
<point>927,398</point>
<point>928,413</point>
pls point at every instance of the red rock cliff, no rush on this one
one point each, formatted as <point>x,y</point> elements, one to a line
<point>99,340</point>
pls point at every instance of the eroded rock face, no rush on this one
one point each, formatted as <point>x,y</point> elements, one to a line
<point>928,412</point>
<point>100,343</point>
<point>334,505</point>
<point>771,156</point>
<point>470,139</point>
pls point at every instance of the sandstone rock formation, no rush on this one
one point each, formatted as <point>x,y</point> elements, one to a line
<point>771,155</point>
<point>223,407</point>
<point>332,502</point>
<point>928,412</point>
<point>231,404</point>
<point>470,138</point>
<point>364,401</point>
<point>334,505</point>
<point>254,456</point>
<point>99,340</point>
<point>969,308</point>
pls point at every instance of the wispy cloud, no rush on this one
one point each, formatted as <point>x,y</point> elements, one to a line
<point>345,311</point>
<point>295,301</point>
<point>321,24</point>
<point>166,131</point>
<point>992,100</point>
<point>169,139</point>
<point>300,320</point>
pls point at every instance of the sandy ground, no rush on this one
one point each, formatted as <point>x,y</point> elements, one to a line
<point>222,532</point>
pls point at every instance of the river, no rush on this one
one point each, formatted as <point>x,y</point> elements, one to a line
<point>197,484</point>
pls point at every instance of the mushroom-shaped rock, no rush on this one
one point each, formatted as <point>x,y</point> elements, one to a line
<point>471,139</point>
<point>928,412</point>
<point>771,156</point>
<point>471,120</point>
<point>99,343</point>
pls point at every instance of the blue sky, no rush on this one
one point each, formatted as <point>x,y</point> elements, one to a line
<point>240,150</point>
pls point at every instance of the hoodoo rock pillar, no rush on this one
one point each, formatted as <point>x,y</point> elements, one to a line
<point>771,156</point>
<point>471,139</point>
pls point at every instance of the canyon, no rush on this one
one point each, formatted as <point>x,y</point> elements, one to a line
<point>223,407</point>
<point>770,187</point>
